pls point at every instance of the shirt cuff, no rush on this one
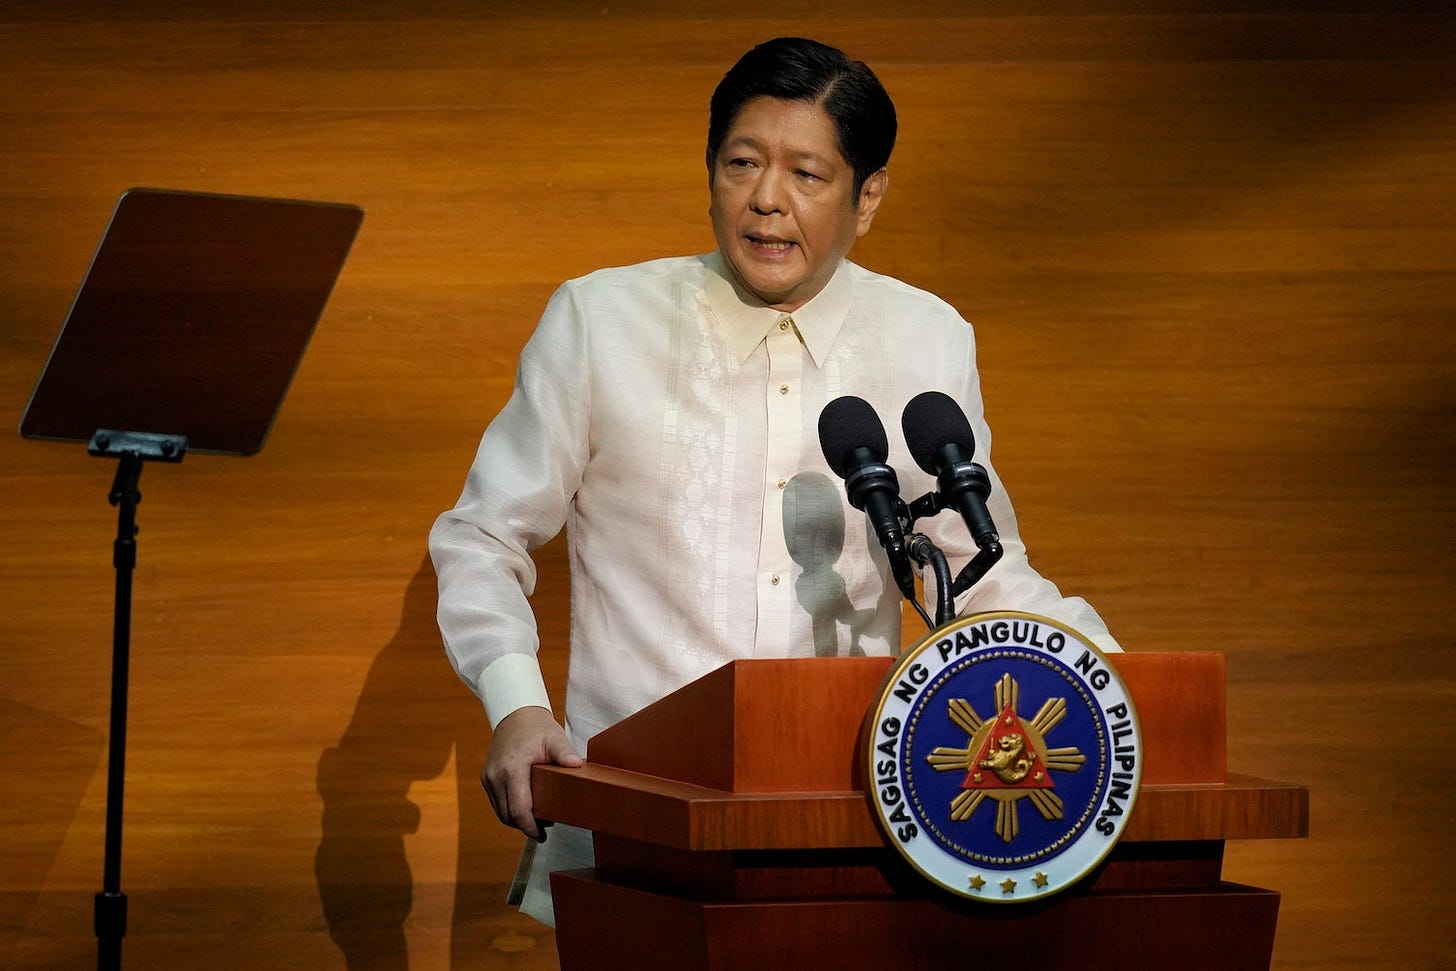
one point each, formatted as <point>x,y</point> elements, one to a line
<point>509,683</point>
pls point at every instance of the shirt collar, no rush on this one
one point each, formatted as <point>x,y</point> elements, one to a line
<point>746,321</point>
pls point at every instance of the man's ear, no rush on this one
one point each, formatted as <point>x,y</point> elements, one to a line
<point>870,195</point>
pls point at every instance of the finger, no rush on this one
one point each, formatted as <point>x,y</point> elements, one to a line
<point>565,755</point>
<point>498,796</point>
<point>558,750</point>
<point>519,797</point>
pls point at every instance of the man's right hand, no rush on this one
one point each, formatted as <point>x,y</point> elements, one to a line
<point>526,737</point>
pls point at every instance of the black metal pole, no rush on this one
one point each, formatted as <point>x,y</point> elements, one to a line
<point>111,902</point>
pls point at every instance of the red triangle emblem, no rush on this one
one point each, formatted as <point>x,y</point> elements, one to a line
<point>1007,758</point>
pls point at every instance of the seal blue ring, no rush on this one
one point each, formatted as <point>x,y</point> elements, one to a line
<point>1003,757</point>
<point>1039,676</point>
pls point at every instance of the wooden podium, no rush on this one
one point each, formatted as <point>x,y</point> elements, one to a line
<point>731,831</point>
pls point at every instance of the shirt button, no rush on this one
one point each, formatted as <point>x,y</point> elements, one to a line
<point>784,324</point>
<point>783,389</point>
<point>775,580</point>
<point>783,483</point>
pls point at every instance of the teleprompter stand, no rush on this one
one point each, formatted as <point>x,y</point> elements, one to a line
<point>184,336</point>
<point>131,449</point>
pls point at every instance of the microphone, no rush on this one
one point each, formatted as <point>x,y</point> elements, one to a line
<point>941,442</point>
<point>854,443</point>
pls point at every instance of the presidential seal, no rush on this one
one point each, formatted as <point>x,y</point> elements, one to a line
<point>1003,756</point>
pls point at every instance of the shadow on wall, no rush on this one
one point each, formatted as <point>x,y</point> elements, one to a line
<point>411,715</point>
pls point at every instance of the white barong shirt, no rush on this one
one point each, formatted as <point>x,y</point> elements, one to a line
<point>669,421</point>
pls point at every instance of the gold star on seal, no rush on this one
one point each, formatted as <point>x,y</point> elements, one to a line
<point>977,882</point>
<point>1008,885</point>
<point>1040,879</point>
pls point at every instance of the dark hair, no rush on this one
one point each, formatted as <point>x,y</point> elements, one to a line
<point>796,69</point>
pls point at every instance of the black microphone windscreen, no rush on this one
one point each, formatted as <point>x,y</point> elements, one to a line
<point>932,420</point>
<point>846,424</point>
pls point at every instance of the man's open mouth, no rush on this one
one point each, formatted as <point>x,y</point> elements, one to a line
<point>770,244</point>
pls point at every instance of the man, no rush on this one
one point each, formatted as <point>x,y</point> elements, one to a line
<point>666,414</point>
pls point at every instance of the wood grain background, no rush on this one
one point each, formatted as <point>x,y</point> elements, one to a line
<point>1210,252</point>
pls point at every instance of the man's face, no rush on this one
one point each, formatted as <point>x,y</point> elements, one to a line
<point>783,206</point>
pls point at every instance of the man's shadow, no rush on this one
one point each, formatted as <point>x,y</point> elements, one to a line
<point>814,533</point>
<point>412,713</point>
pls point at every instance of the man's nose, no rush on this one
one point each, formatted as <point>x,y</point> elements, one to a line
<point>768,193</point>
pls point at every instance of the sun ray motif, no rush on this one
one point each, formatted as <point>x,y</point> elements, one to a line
<point>964,716</point>
<point>944,759</point>
<point>964,804</point>
<point>1007,825</point>
<point>1064,759</point>
<point>1007,693</point>
<point>1051,715</point>
<point>1048,803</point>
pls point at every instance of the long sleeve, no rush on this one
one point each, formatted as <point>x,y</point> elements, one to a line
<point>667,422</point>
<point>516,497</point>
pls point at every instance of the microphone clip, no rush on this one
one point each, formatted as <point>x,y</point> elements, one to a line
<point>988,543</point>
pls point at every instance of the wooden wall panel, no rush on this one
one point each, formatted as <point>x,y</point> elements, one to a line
<point>1210,252</point>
